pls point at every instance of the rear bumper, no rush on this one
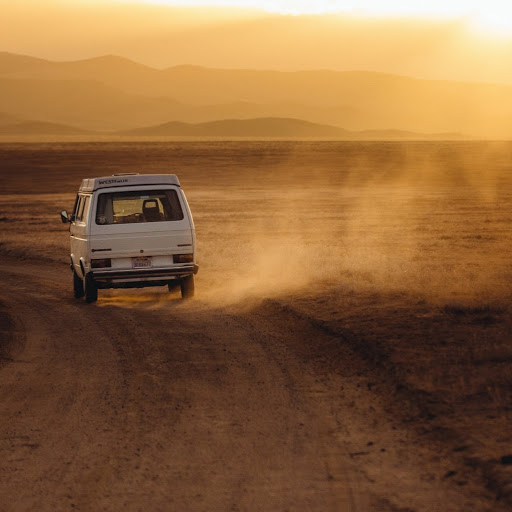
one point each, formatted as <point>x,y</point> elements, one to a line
<point>110,275</point>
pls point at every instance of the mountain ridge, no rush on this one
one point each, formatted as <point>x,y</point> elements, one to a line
<point>257,127</point>
<point>114,93</point>
<point>28,128</point>
<point>277,128</point>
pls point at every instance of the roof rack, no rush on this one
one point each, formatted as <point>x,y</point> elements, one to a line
<point>128,180</point>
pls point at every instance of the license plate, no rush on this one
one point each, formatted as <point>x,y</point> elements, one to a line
<point>142,262</point>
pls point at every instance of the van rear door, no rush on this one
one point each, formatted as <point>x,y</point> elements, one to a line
<point>147,224</point>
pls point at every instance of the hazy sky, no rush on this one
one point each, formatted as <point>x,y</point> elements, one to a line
<point>463,40</point>
<point>491,14</point>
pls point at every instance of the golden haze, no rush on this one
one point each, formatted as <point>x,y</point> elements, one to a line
<point>349,72</point>
<point>161,36</point>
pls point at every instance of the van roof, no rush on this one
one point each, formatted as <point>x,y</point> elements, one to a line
<point>127,180</point>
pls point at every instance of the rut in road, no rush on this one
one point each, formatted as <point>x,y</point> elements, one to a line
<point>145,400</point>
<point>122,404</point>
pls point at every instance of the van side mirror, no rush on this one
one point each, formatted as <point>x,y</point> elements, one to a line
<point>64,217</point>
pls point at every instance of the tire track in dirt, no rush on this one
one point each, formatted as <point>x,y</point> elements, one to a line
<point>113,406</point>
<point>143,399</point>
<point>441,450</point>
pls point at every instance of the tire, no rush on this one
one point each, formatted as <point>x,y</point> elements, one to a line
<point>78,286</point>
<point>91,290</point>
<point>187,287</point>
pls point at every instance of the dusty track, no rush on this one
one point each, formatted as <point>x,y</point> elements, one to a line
<point>143,401</point>
<point>115,407</point>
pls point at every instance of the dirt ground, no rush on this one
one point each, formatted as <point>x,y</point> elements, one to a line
<point>349,347</point>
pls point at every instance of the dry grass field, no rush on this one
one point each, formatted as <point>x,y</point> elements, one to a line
<point>398,252</point>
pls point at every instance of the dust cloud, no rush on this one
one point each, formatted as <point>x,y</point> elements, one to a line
<point>431,221</point>
<point>273,218</point>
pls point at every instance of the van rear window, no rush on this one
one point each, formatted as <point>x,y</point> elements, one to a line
<point>138,206</point>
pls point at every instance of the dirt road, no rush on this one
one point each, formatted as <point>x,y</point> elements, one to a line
<point>122,407</point>
<point>146,402</point>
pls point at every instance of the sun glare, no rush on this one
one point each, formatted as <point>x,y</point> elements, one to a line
<point>491,15</point>
<point>497,21</point>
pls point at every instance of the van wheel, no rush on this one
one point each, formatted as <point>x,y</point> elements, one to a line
<point>91,290</point>
<point>78,286</point>
<point>187,287</point>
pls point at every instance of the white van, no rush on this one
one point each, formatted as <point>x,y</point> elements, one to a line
<point>131,231</point>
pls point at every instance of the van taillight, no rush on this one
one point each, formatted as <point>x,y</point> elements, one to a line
<point>103,263</point>
<point>183,258</point>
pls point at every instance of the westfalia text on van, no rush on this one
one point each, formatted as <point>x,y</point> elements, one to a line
<point>131,231</point>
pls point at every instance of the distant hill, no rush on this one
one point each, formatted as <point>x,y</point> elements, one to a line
<point>113,93</point>
<point>260,127</point>
<point>111,70</point>
<point>26,128</point>
<point>277,127</point>
<point>233,128</point>
<point>88,104</point>
<point>13,63</point>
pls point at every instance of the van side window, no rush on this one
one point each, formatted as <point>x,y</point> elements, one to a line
<point>75,207</point>
<point>78,207</point>
<point>138,206</point>
<point>80,210</point>
<point>86,207</point>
